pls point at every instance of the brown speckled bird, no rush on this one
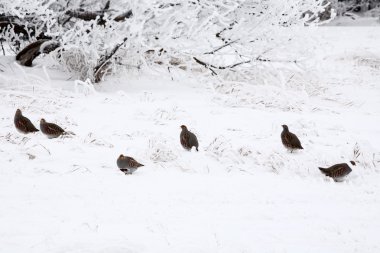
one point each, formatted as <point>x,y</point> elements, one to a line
<point>188,139</point>
<point>23,124</point>
<point>127,164</point>
<point>51,130</point>
<point>338,171</point>
<point>289,139</point>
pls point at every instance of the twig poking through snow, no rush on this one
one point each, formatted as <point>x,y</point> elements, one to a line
<point>85,88</point>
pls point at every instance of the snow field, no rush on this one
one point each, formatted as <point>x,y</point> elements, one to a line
<point>243,192</point>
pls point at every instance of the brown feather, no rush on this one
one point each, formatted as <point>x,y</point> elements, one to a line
<point>188,139</point>
<point>50,129</point>
<point>337,171</point>
<point>127,164</point>
<point>23,124</point>
<point>290,140</point>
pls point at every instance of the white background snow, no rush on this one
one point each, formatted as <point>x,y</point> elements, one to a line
<point>242,192</point>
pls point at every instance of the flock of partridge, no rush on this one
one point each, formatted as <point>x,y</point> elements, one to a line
<point>25,126</point>
<point>188,140</point>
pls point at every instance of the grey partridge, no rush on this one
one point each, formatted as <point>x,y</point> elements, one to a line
<point>127,164</point>
<point>23,124</point>
<point>188,139</point>
<point>338,171</point>
<point>290,140</point>
<point>51,130</point>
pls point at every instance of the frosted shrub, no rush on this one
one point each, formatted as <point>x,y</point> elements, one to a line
<point>159,151</point>
<point>223,38</point>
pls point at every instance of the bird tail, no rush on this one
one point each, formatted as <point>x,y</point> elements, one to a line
<point>67,134</point>
<point>322,169</point>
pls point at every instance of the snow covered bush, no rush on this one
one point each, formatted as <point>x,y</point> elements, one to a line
<point>159,151</point>
<point>357,6</point>
<point>218,37</point>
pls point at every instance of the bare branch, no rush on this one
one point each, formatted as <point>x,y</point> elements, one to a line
<point>207,66</point>
<point>17,28</point>
<point>221,47</point>
<point>102,66</point>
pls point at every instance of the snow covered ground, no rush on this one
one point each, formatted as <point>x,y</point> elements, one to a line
<point>243,192</point>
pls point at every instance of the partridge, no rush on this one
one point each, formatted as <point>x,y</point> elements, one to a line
<point>338,171</point>
<point>289,139</point>
<point>23,124</point>
<point>127,164</point>
<point>51,130</point>
<point>188,139</point>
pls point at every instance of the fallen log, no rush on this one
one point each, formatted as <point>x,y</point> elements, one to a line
<point>84,15</point>
<point>123,16</point>
<point>31,51</point>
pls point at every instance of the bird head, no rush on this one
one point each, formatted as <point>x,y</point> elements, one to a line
<point>285,127</point>
<point>42,121</point>
<point>121,156</point>
<point>18,112</point>
<point>184,127</point>
<point>353,163</point>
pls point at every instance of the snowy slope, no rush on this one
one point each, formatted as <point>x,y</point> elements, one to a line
<point>243,192</point>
